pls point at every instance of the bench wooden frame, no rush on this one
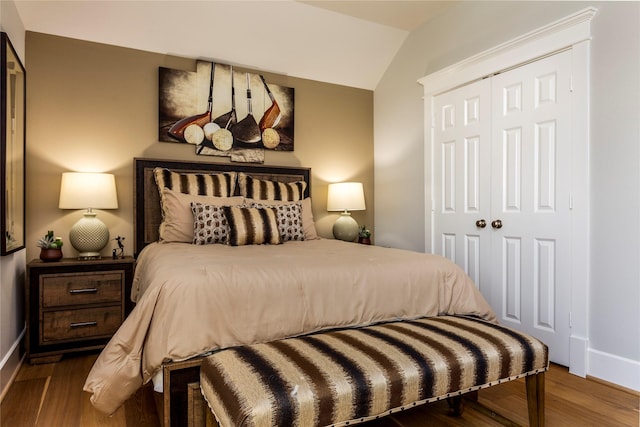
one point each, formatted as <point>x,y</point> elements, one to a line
<point>177,404</point>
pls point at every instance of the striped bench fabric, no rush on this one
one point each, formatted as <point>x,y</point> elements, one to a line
<point>346,376</point>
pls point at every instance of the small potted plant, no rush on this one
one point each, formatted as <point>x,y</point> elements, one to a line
<point>50,247</point>
<point>364,235</point>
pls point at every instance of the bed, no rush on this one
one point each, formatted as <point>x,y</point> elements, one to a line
<point>195,299</point>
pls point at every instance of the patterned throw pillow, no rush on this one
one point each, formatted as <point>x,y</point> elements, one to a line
<point>289,217</point>
<point>209,224</point>
<point>259,189</point>
<point>202,184</point>
<point>252,226</point>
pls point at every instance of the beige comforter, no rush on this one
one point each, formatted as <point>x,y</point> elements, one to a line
<point>193,299</point>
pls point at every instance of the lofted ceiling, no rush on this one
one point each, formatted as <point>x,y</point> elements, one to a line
<point>349,42</point>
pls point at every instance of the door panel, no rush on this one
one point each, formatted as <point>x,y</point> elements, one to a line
<point>462,149</point>
<point>512,172</point>
<point>511,280</point>
<point>531,192</point>
<point>544,284</point>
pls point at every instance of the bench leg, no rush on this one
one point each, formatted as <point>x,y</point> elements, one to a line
<point>198,412</point>
<point>196,406</point>
<point>456,405</point>
<point>535,399</point>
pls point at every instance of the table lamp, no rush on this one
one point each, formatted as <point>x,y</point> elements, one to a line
<point>89,191</point>
<point>345,197</point>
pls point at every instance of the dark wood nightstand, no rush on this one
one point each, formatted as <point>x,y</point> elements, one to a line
<point>74,305</point>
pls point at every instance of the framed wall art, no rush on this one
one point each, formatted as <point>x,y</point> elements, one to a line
<point>226,112</point>
<point>12,146</point>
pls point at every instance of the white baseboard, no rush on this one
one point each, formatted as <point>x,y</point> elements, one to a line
<point>10,365</point>
<point>614,369</point>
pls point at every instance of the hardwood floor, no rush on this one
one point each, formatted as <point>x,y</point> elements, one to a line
<point>51,396</point>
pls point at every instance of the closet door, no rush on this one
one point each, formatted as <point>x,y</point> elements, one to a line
<point>461,168</point>
<point>501,193</point>
<point>530,191</point>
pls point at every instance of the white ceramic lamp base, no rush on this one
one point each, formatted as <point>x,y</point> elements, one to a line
<point>89,236</point>
<point>345,228</point>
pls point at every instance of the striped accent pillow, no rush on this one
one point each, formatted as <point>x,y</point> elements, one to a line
<point>289,217</point>
<point>261,189</point>
<point>252,226</point>
<point>201,184</point>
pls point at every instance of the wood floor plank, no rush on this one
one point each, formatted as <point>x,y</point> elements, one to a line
<point>570,401</point>
<point>140,409</point>
<point>63,402</point>
<point>508,399</point>
<point>570,397</point>
<point>574,397</point>
<point>90,417</point>
<point>20,406</point>
<point>437,414</point>
<point>28,372</point>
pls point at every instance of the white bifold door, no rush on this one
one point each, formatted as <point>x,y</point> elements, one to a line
<point>502,193</point>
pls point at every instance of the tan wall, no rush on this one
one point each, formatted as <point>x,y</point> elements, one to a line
<point>94,107</point>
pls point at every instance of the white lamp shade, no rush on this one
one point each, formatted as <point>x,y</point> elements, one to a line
<point>346,196</point>
<point>80,190</point>
<point>83,190</point>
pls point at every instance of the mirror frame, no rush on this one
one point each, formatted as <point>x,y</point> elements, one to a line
<point>12,145</point>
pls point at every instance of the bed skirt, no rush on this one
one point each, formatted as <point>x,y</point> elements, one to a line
<point>346,376</point>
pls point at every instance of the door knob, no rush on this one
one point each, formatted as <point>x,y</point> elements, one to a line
<point>496,224</point>
<point>481,223</point>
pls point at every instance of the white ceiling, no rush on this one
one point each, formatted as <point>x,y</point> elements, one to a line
<point>349,43</point>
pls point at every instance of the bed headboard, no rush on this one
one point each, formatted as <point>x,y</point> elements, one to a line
<point>146,207</point>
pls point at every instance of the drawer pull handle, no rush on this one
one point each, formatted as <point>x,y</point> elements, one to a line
<point>83,324</point>
<point>83,291</point>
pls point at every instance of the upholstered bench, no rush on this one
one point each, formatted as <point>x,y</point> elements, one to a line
<point>346,376</point>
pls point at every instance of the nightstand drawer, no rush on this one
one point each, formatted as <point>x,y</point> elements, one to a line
<point>82,323</point>
<point>81,288</point>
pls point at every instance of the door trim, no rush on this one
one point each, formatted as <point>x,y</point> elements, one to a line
<point>574,33</point>
<point>558,35</point>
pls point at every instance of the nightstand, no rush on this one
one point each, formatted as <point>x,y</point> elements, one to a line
<point>74,305</point>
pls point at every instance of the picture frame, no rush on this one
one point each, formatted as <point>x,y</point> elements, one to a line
<point>12,146</point>
<point>224,111</point>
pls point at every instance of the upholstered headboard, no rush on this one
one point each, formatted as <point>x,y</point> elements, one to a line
<point>147,211</point>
